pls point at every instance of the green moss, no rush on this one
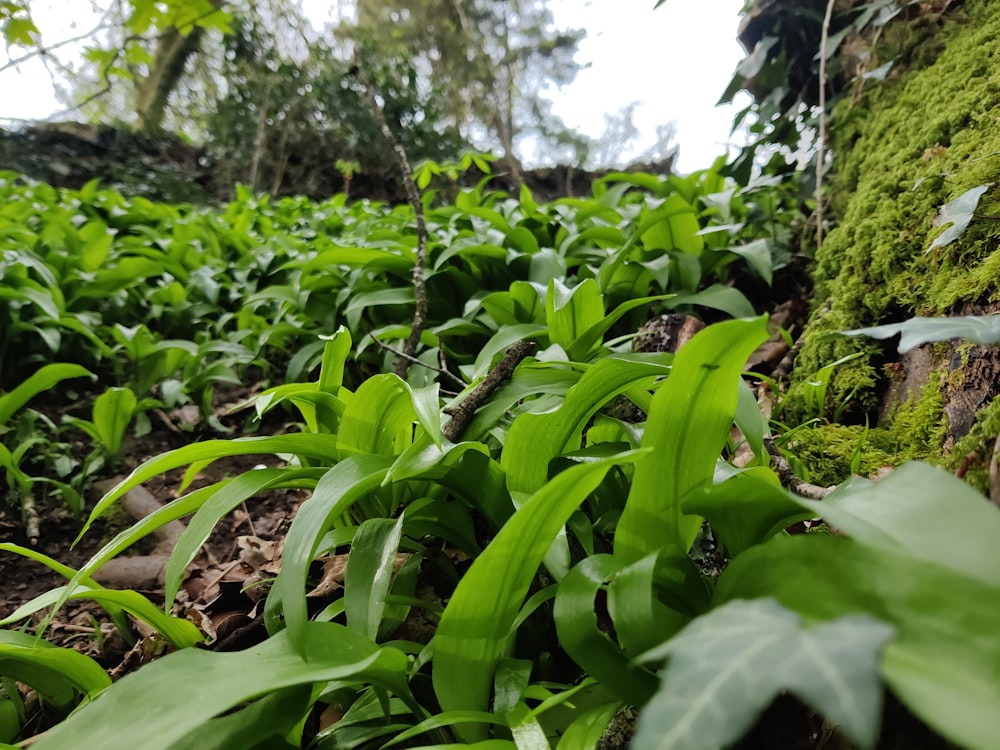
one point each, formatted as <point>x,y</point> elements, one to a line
<point>825,453</point>
<point>936,126</point>
<point>973,451</point>
<point>915,432</point>
<point>918,429</point>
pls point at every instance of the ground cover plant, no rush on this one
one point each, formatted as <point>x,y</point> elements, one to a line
<point>580,528</point>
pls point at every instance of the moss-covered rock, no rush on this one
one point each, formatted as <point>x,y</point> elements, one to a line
<point>903,148</point>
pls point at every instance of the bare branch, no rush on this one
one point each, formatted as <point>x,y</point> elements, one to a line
<point>463,412</point>
<point>788,478</point>
<point>413,195</point>
<point>821,141</point>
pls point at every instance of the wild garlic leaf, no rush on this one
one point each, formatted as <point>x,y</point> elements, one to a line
<point>727,666</point>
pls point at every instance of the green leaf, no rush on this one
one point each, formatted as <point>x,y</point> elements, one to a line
<point>42,380</point>
<point>982,329</point>
<point>688,425</point>
<point>717,297</point>
<point>535,439</point>
<point>747,509</point>
<point>474,629</point>
<point>178,631</point>
<point>569,313</point>
<point>582,638</point>
<point>20,31</point>
<point>267,720</point>
<point>944,663</point>
<point>959,213</point>
<point>585,342</point>
<point>524,727</point>
<point>335,352</point>
<point>335,493</point>
<point>672,226</point>
<point>61,675</point>
<point>190,687</point>
<point>369,573</point>
<point>378,419</point>
<point>588,728</point>
<point>113,411</point>
<point>727,666</point>
<point>923,511</point>
<point>220,500</point>
<point>318,445</point>
<point>757,254</point>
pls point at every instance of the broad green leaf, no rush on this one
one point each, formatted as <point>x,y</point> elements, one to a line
<point>190,687</point>
<point>727,666</point>
<point>688,425</point>
<point>588,728</point>
<point>923,511</point>
<point>585,342</point>
<point>641,619</point>
<point>178,631</point>
<point>378,419</point>
<point>757,254</point>
<point>267,720</point>
<point>19,30</point>
<point>499,342</point>
<point>717,297</point>
<point>524,727</point>
<point>945,660</point>
<point>369,573</point>
<point>365,300</point>
<point>535,439</point>
<point>318,446</point>
<point>570,312</point>
<point>476,623</point>
<point>580,635</point>
<point>746,509</point>
<point>113,411</point>
<point>335,493</point>
<point>959,213</point>
<point>335,352</point>
<point>446,719</point>
<point>61,675</point>
<point>982,329</point>
<point>672,226</point>
<point>42,380</point>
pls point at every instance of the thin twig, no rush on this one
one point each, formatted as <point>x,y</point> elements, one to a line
<point>784,367</point>
<point>821,144</point>
<point>463,412</point>
<point>995,474</point>
<point>413,360</point>
<point>413,195</point>
<point>788,478</point>
<point>41,50</point>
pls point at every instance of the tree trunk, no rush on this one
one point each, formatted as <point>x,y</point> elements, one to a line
<point>173,50</point>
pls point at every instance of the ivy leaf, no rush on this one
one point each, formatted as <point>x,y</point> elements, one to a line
<point>727,666</point>
<point>980,329</point>
<point>958,213</point>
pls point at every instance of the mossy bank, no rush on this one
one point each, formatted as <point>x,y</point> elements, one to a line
<point>902,148</point>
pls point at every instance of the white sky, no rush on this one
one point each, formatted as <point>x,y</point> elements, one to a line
<point>676,61</point>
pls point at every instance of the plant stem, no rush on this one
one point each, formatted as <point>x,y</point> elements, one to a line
<point>821,143</point>
<point>413,196</point>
